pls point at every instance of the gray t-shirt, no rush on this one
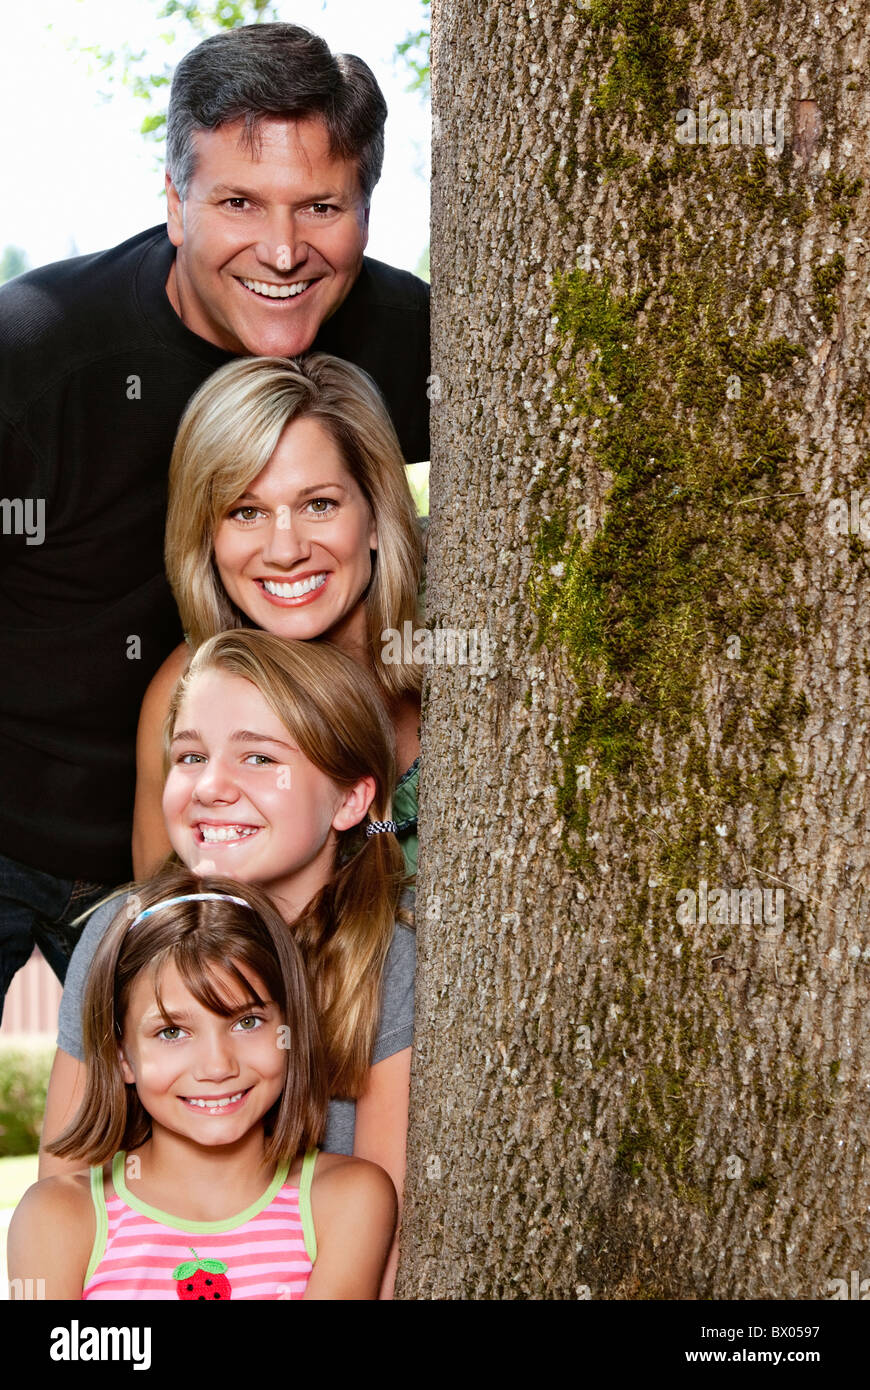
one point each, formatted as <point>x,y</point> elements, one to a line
<point>394,1033</point>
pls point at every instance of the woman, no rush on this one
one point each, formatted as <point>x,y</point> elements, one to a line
<point>289,510</point>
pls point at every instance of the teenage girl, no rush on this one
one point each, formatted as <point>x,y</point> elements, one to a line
<point>206,1092</point>
<point>290,511</point>
<point>280,770</point>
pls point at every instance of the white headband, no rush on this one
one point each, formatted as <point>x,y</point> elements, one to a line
<point>188,898</point>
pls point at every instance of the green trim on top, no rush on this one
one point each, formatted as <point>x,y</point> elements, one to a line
<point>196,1227</point>
<point>305,1204</point>
<point>98,1249</point>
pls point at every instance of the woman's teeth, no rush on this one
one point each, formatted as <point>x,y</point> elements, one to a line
<point>275,291</point>
<point>214,1106</point>
<point>213,834</point>
<point>304,586</point>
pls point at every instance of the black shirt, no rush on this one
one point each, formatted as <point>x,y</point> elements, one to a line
<point>95,371</point>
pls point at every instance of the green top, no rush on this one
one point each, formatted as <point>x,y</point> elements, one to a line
<point>405,813</point>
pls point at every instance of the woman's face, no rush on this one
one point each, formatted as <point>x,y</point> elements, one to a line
<point>241,800</point>
<point>294,552</point>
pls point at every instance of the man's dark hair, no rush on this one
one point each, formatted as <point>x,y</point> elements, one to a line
<point>280,70</point>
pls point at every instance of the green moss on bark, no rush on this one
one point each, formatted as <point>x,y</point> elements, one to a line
<point>826,278</point>
<point>645,56</point>
<point>665,581</point>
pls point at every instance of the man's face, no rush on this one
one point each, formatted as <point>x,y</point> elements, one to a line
<point>268,247</point>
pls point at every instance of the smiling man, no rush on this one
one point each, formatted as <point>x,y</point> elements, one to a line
<point>274,146</point>
<point>265,254</point>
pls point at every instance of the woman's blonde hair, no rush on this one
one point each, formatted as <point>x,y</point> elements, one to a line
<point>196,937</point>
<point>228,434</point>
<point>334,713</point>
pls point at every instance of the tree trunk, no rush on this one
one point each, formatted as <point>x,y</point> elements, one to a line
<point>643,1056</point>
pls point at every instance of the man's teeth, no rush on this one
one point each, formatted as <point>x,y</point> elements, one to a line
<point>275,291</point>
<point>215,1105</point>
<point>213,833</point>
<point>294,590</point>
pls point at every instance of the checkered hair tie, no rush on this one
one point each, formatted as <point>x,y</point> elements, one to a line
<point>377,827</point>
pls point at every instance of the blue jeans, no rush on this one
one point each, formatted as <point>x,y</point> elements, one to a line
<point>37,909</point>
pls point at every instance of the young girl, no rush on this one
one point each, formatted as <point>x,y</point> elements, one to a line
<point>290,511</point>
<point>280,768</point>
<point>206,1094</point>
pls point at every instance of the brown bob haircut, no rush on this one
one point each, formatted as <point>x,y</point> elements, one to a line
<point>196,937</point>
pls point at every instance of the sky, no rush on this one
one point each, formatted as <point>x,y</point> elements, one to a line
<point>80,177</point>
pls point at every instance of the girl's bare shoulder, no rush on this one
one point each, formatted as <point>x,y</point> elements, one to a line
<point>354,1209</point>
<point>57,1209</point>
<point>62,1195</point>
<point>51,1236</point>
<point>339,1177</point>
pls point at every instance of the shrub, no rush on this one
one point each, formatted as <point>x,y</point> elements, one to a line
<point>24,1076</point>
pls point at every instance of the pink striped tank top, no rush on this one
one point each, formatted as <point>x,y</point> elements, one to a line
<point>264,1252</point>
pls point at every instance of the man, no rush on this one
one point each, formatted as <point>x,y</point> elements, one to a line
<point>273,148</point>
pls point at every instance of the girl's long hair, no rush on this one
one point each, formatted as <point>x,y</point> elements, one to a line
<point>226,437</point>
<point>333,711</point>
<point>196,937</point>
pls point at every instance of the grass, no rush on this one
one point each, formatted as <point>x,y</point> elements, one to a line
<point>16,1175</point>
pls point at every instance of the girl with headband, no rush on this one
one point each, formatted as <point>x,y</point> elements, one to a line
<point>290,511</point>
<point>280,769</point>
<point>205,1097</point>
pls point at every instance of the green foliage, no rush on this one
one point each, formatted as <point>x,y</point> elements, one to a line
<point>422,266</point>
<point>13,261</point>
<point>188,22</point>
<point>418,481</point>
<point>23,1085</point>
<point>414,49</point>
<point>225,15</point>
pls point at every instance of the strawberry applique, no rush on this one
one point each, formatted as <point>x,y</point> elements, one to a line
<point>202,1279</point>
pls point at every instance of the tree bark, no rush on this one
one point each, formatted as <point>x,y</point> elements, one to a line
<point>642,1052</point>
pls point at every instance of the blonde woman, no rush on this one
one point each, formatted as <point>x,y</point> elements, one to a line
<point>290,511</point>
<point>280,771</point>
